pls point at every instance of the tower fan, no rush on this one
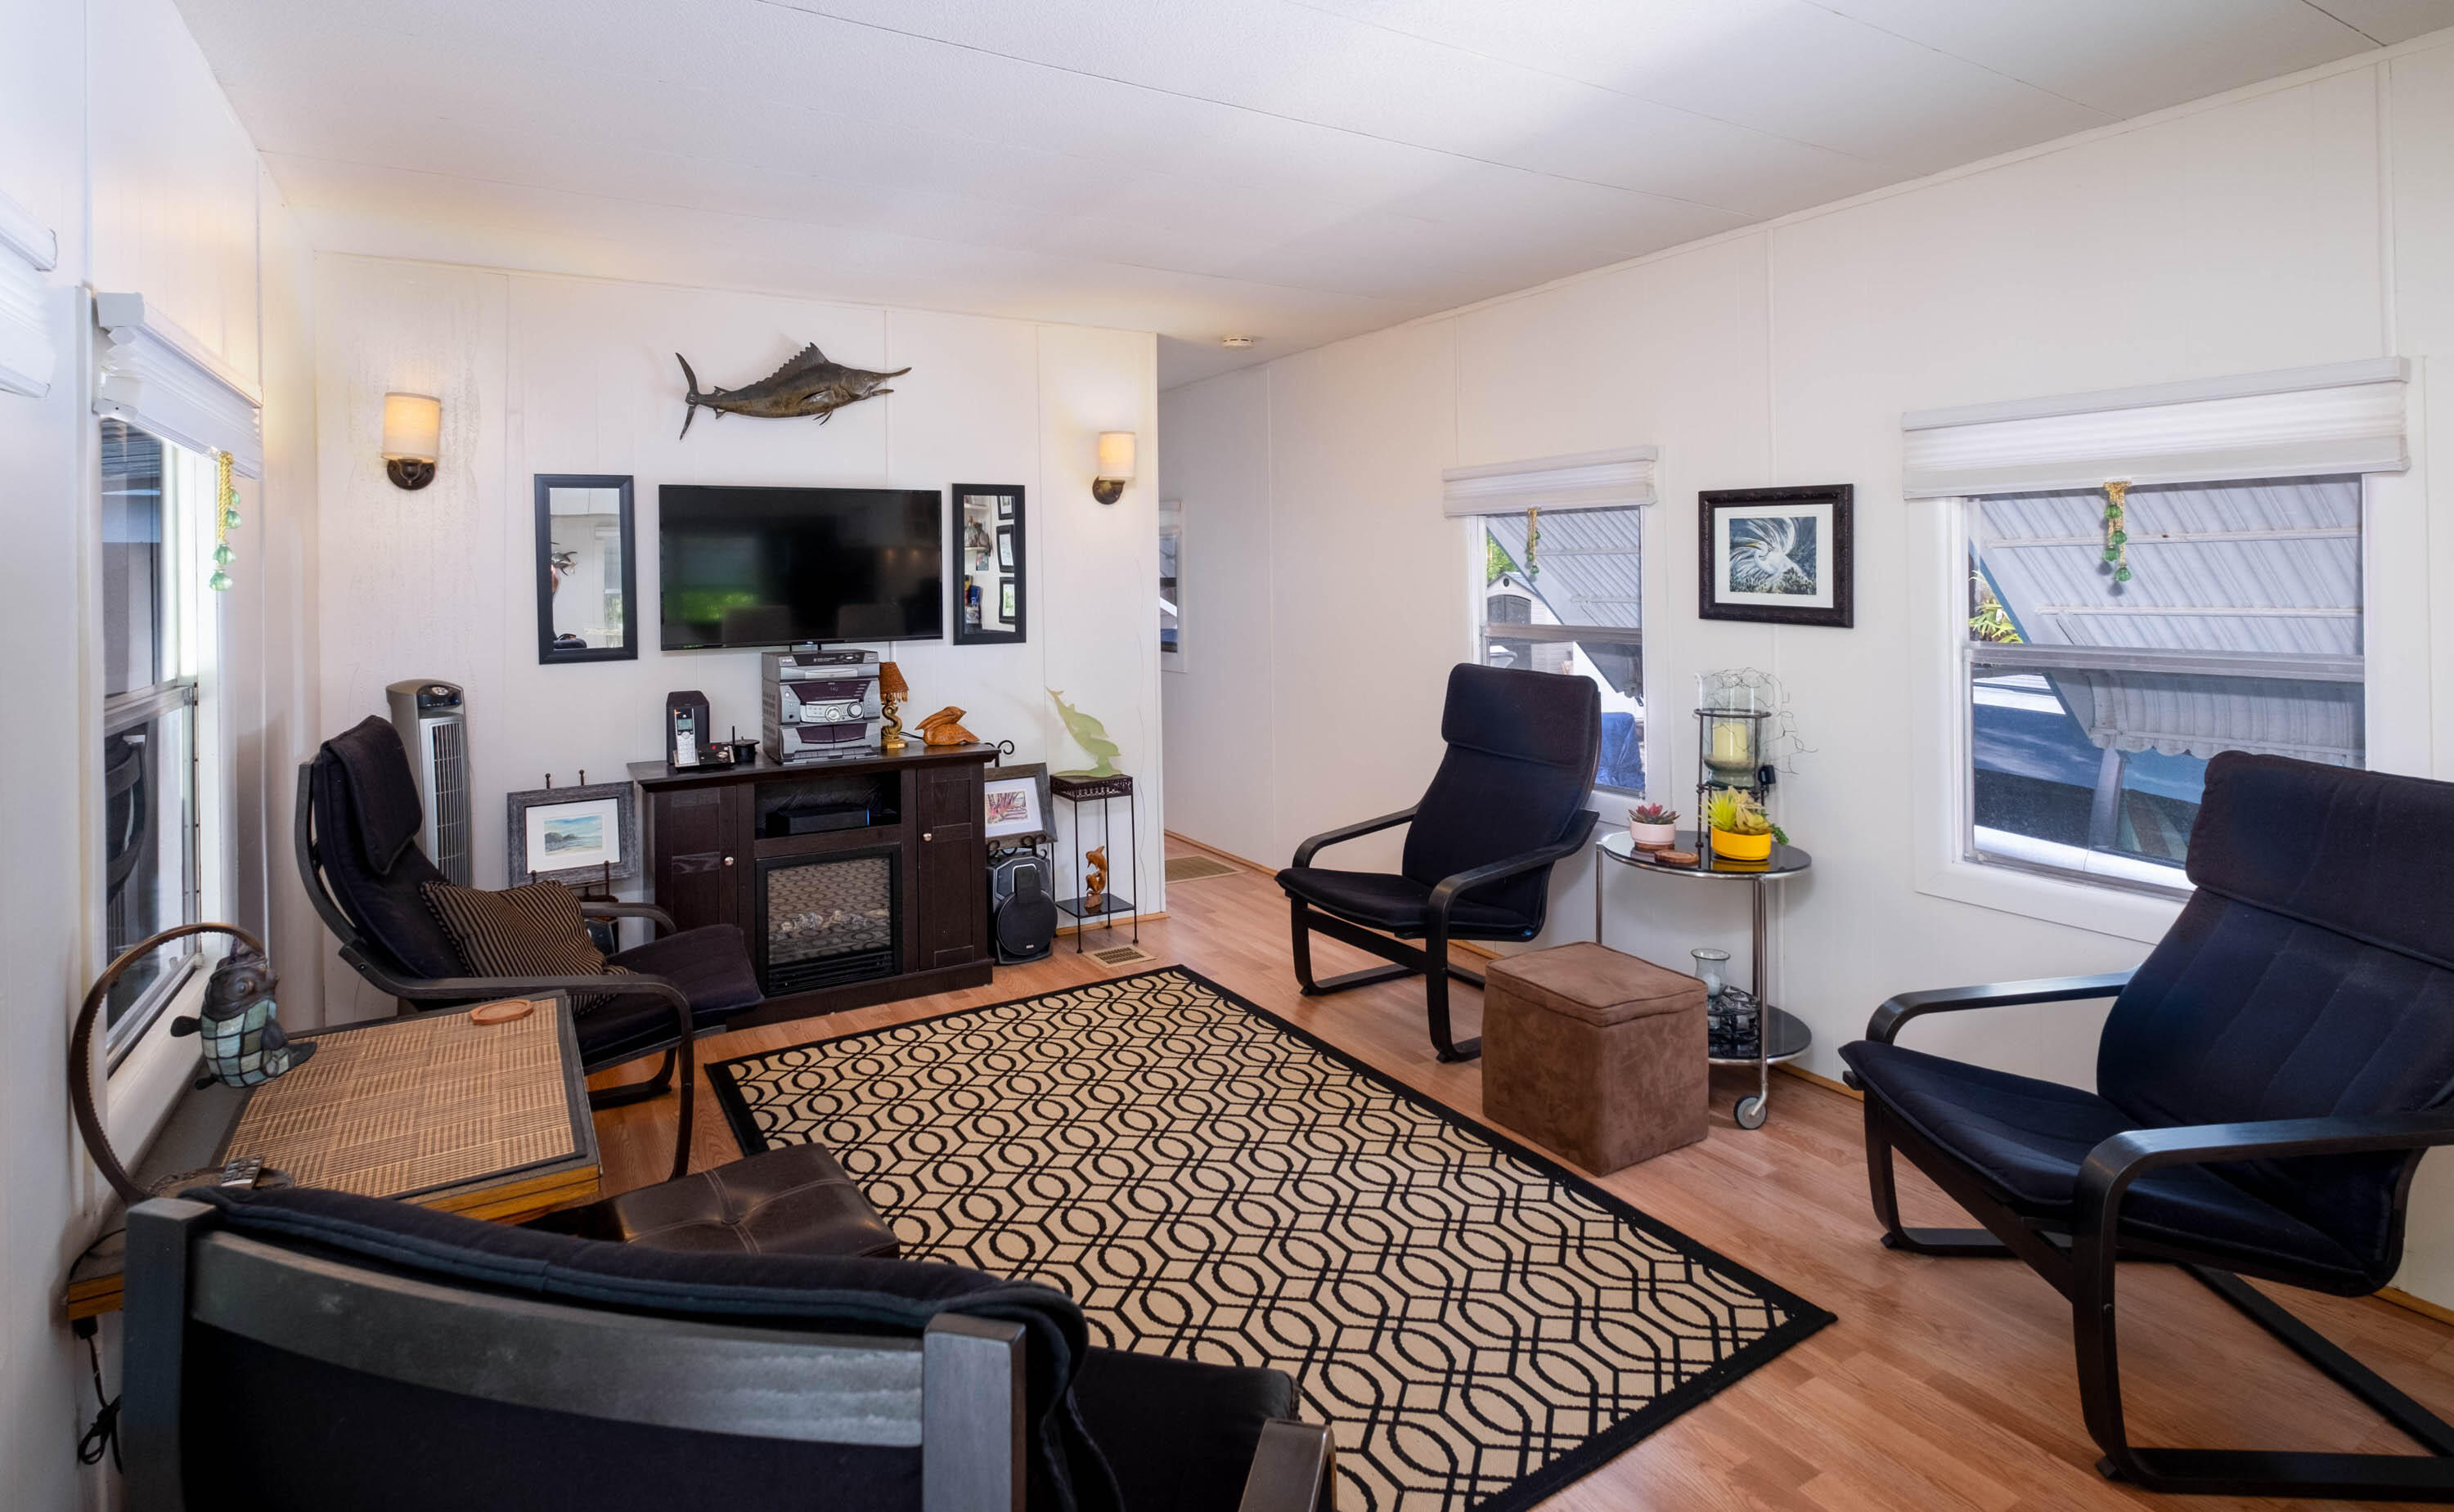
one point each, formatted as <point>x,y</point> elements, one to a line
<point>435,727</point>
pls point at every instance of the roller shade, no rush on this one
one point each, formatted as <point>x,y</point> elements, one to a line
<point>2343,418</point>
<point>28,250</point>
<point>163,381</point>
<point>1587,480</point>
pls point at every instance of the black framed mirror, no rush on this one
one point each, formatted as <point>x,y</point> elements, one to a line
<point>587,576</point>
<point>990,600</point>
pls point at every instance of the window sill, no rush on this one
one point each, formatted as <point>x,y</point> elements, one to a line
<point>147,1084</point>
<point>2100,909</point>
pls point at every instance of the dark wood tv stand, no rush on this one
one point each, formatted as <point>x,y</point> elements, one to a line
<point>713,837</point>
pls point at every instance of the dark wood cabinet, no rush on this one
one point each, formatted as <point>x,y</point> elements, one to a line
<point>856,882</point>
<point>952,869</point>
<point>697,853</point>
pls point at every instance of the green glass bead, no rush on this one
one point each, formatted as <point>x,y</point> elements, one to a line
<point>2111,552</point>
<point>2121,538</point>
<point>220,581</point>
<point>230,519</point>
<point>2121,574</point>
<point>223,555</point>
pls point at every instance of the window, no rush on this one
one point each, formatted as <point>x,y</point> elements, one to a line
<point>1560,593</point>
<point>153,496</point>
<point>2094,701</point>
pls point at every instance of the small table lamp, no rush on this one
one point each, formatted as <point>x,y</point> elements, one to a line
<point>243,1047</point>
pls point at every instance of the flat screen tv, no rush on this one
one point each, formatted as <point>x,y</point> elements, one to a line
<point>778,566</point>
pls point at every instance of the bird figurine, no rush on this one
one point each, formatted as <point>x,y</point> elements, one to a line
<point>1095,889</point>
<point>1089,734</point>
<point>945,728</point>
<point>892,691</point>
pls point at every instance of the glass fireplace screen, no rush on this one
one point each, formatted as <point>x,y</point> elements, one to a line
<point>828,920</point>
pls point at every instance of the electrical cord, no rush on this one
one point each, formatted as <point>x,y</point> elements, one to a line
<point>103,1435</point>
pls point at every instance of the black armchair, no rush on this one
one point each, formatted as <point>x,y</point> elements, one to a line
<point>2267,1084</point>
<point>300,1350</point>
<point>357,818</point>
<point>1506,805</point>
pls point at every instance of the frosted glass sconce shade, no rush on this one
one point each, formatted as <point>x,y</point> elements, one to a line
<point>412,436</point>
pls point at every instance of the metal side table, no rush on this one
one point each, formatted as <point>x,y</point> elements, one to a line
<point>1779,1036</point>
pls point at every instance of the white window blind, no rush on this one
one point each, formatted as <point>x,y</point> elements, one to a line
<point>163,381</point>
<point>28,250</point>
<point>1587,480</point>
<point>2342,418</point>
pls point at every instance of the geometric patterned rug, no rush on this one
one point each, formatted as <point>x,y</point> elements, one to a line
<point>1477,1326</point>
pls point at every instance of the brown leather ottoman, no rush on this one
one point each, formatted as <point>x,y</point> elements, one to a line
<point>1595,1054</point>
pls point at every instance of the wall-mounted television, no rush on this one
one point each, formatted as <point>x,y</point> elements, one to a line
<point>778,566</point>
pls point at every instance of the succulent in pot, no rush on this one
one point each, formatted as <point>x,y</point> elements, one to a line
<point>1742,829</point>
<point>1652,826</point>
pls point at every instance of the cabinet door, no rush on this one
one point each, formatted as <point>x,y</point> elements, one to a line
<point>701,854</point>
<point>952,871</point>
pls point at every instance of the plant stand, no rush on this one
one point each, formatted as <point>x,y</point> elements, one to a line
<point>1076,791</point>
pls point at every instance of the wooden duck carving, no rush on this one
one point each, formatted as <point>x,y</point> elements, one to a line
<point>945,728</point>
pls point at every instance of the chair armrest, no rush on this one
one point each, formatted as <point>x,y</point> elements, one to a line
<point>1897,1011</point>
<point>1291,1469</point>
<point>1579,831</point>
<point>1333,837</point>
<point>607,908</point>
<point>2123,1159</point>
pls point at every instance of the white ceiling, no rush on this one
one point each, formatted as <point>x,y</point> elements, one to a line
<point>1295,169</point>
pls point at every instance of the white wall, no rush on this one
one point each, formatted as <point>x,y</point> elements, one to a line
<point>545,374</point>
<point>114,134</point>
<point>2301,221</point>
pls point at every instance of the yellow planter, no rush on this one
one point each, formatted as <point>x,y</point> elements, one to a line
<point>1733,846</point>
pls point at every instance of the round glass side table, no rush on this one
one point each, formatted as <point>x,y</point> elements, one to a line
<point>1779,1036</point>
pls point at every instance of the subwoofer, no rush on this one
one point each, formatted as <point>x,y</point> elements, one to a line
<point>1022,907</point>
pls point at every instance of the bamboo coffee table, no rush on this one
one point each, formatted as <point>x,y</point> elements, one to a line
<point>487,1120</point>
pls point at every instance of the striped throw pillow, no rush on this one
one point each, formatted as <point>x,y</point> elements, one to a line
<point>534,930</point>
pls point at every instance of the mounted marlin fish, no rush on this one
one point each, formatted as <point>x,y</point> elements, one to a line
<point>807,385</point>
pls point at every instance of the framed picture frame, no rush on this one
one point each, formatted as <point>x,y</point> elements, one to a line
<point>587,569</point>
<point>992,606</point>
<point>1015,804</point>
<point>1780,556</point>
<point>572,834</point>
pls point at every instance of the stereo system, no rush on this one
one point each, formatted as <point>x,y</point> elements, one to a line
<point>1022,907</point>
<point>819,705</point>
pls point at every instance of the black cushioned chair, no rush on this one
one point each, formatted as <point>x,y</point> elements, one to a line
<point>1507,802</point>
<point>311,1350</point>
<point>2265,1085</point>
<point>356,830</point>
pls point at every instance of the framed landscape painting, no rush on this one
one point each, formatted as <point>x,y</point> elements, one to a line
<point>1777,555</point>
<point>572,834</point>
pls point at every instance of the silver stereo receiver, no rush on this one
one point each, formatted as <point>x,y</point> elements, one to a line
<point>819,704</point>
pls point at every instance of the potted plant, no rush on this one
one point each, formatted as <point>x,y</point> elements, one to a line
<point>1742,829</point>
<point>1652,826</point>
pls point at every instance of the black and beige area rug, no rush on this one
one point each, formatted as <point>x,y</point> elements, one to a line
<point>1479,1326</point>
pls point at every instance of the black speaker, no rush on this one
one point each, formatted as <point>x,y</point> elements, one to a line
<point>1022,907</point>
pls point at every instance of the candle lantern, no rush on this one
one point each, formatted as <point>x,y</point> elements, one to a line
<point>1734,766</point>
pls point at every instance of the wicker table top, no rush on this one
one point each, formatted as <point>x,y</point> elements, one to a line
<point>491,1121</point>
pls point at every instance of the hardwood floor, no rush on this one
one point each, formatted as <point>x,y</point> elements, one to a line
<point>1946,1383</point>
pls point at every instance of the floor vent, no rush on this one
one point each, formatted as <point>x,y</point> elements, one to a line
<point>1123,956</point>
<point>1193,868</point>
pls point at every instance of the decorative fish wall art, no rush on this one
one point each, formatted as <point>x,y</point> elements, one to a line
<point>807,385</point>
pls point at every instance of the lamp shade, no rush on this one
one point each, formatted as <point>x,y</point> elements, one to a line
<point>412,427</point>
<point>1116,456</point>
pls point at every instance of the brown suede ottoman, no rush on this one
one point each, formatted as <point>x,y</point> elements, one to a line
<point>1595,1054</point>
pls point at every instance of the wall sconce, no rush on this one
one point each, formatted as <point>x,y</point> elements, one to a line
<point>413,433</point>
<point>1116,465</point>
